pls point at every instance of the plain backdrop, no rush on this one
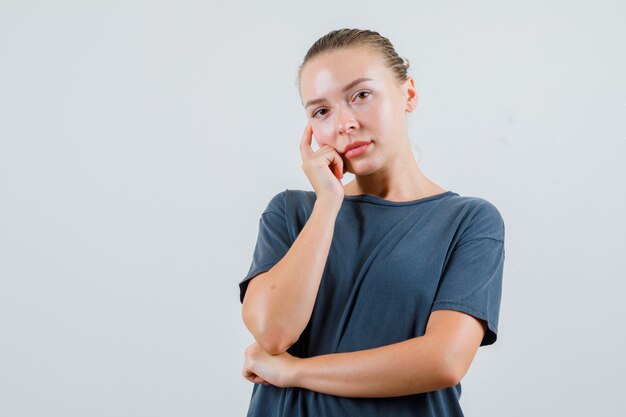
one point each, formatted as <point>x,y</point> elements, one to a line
<point>141,140</point>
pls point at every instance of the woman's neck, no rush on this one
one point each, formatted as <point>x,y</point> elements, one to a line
<point>402,182</point>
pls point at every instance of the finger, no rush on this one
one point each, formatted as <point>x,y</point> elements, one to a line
<point>258,380</point>
<point>337,171</point>
<point>254,378</point>
<point>340,167</point>
<point>305,143</point>
<point>248,375</point>
<point>245,372</point>
<point>335,163</point>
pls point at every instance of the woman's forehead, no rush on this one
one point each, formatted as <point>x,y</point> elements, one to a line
<point>334,70</point>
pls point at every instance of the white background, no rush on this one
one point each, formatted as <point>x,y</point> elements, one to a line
<point>141,140</point>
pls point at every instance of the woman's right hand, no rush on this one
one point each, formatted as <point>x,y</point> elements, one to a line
<point>324,168</point>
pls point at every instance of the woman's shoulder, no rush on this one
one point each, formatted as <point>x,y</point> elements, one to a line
<point>479,213</point>
<point>473,202</point>
<point>285,200</point>
<point>476,203</point>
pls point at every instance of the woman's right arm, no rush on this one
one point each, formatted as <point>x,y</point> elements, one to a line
<point>278,303</point>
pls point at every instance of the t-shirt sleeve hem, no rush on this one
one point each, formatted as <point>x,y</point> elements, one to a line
<point>243,285</point>
<point>491,334</point>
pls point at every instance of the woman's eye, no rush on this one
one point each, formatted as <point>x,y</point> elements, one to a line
<point>317,111</point>
<point>360,94</point>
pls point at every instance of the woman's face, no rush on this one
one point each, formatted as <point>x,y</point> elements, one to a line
<point>350,96</point>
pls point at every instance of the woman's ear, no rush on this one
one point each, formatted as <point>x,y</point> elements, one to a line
<point>410,94</point>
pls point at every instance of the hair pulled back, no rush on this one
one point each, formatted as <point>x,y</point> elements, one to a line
<point>345,38</point>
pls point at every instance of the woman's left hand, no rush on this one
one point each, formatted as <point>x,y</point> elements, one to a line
<point>261,367</point>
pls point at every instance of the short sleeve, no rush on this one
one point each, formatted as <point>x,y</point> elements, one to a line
<point>272,243</point>
<point>472,278</point>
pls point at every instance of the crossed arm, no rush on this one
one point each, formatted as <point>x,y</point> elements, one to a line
<point>437,360</point>
<point>276,309</point>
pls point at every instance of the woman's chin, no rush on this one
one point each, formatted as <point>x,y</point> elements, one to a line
<point>364,169</point>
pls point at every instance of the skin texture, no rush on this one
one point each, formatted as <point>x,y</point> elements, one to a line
<point>277,307</point>
<point>437,360</point>
<point>374,110</point>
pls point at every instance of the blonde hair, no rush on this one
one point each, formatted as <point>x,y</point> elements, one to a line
<point>345,38</point>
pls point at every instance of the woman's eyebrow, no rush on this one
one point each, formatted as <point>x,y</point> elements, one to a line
<point>343,90</point>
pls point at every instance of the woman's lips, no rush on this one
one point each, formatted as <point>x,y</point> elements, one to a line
<point>357,151</point>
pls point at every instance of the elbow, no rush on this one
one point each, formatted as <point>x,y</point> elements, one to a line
<point>273,345</point>
<point>451,371</point>
<point>450,377</point>
<point>271,337</point>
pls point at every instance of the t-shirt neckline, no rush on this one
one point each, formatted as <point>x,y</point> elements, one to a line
<point>370,198</point>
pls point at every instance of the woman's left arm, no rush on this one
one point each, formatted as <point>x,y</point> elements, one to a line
<point>437,360</point>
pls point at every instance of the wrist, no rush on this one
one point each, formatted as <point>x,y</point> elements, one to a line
<point>298,369</point>
<point>325,204</point>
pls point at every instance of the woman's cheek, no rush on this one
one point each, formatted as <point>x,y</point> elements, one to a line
<point>322,136</point>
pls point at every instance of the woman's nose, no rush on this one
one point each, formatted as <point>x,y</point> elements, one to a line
<point>345,120</point>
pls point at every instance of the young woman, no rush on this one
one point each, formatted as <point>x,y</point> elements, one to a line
<point>369,298</point>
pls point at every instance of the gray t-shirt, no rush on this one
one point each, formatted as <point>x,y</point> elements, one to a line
<point>390,264</point>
